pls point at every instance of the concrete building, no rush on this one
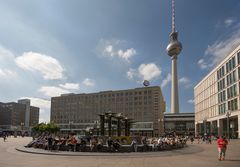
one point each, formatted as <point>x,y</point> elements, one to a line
<point>13,116</point>
<point>79,112</point>
<point>217,97</point>
<point>179,124</point>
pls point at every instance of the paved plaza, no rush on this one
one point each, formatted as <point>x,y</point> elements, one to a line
<point>196,155</point>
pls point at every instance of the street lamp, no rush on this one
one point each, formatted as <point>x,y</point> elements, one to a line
<point>159,126</point>
<point>119,118</point>
<point>70,125</point>
<point>228,113</point>
<point>205,126</point>
<point>232,127</point>
<point>22,124</point>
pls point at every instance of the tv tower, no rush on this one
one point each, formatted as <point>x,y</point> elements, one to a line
<point>173,49</point>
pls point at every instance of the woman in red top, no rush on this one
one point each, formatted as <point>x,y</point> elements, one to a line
<point>222,147</point>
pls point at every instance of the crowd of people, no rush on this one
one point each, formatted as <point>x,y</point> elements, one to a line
<point>112,144</point>
<point>106,144</point>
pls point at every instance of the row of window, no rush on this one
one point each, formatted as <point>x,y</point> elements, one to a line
<point>222,108</point>
<point>221,84</point>
<point>230,65</point>
<point>232,105</point>
<point>231,78</point>
<point>232,91</point>
<point>222,96</point>
<point>220,73</point>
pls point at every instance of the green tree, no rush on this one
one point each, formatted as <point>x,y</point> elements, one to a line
<point>49,127</point>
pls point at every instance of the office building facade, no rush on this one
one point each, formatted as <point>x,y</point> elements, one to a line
<point>179,124</point>
<point>79,112</point>
<point>217,99</point>
<point>13,116</point>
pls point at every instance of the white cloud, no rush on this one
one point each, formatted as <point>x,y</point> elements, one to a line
<point>166,80</point>
<point>126,55</point>
<point>44,107</point>
<point>52,91</point>
<point>88,82</point>
<point>191,101</point>
<point>73,86</point>
<point>114,48</point>
<point>216,52</point>
<point>5,73</point>
<point>109,50</point>
<point>47,65</point>
<point>6,54</point>
<point>202,64</point>
<point>185,82</point>
<point>228,22</point>
<point>144,72</point>
<point>7,69</point>
<point>149,71</point>
<point>131,74</point>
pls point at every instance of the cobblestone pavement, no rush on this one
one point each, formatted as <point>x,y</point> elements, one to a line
<point>196,155</point>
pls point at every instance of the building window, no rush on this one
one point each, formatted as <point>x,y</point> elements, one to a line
<point>229,105</point>
<point>227,69</point>
<point>224,95</point>
<point>234,90</point>
<point>230,65</point>
<point>235,104</point>
<point>234,76</point>
<point>228,82</point>
<point>223,72</point>
<point>238,57</point>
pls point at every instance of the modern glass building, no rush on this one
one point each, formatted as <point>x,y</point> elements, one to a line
<point>217,99</point>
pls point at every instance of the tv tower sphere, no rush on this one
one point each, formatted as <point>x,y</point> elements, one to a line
<point>174,47</point>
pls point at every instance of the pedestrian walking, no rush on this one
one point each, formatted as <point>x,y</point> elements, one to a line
<point>191,139</point>
<point>222,147</point>
<point>4,138</point>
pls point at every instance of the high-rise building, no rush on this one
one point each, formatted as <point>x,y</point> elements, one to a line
<point>27,111</point>
<point>13,116</point>
<point>80,111</point>
<point>173,50</point>
<point>217,98</point>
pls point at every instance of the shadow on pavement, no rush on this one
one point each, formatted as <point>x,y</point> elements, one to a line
<point>232,159</point>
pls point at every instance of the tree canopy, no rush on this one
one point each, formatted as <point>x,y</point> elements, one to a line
<point>46,127</point>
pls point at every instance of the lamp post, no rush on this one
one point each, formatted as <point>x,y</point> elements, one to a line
<point>70,125</point>
<point>109,116</point>
<point>228,113</point>
<point>95,127</point>
<point>159,127</point>
<point>102,123</point>
<point>205,126</point>
<point>119,118</point>
<point>22,124</point>
<point>232,127</point>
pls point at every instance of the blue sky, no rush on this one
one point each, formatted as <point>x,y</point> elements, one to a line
<point>49,47</point>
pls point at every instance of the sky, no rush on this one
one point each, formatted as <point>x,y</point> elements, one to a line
<point>52,47</point>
